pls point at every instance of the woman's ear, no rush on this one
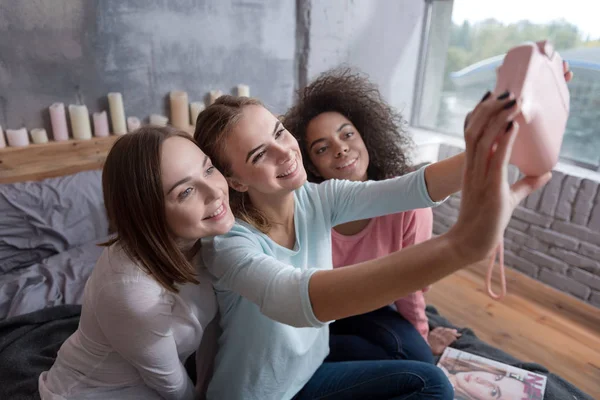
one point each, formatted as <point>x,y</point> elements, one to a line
<point>236,185</point>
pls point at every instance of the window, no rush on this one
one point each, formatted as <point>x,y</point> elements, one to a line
<point>465,40</point>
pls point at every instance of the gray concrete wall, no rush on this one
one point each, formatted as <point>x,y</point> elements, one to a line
<point>382,38</point>
<point>553,236</point>
<point>76,51</point>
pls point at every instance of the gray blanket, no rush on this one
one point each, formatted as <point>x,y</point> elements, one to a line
<point>29,343</point>
<point>28,346</point>
<point>556,389</point>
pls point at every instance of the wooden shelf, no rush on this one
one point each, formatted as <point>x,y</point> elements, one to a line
<point>40,161</point>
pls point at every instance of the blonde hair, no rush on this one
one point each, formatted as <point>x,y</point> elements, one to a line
<point>213,126</point>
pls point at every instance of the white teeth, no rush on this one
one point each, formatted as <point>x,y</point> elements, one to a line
<point>219,211</point>
<point>347,164</point>
<point>290,170</point>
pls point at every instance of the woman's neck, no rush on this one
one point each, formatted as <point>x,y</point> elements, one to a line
<point>279,211</point>
<point>189,248</point>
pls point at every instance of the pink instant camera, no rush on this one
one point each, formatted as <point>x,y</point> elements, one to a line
<point>534,73</point>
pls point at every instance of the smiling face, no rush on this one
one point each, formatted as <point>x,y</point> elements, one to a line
<point>488,386</point>
<point>196,194</point>
<point>264,157</point>
<point>336,148</point>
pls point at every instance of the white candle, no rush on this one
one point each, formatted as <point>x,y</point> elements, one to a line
<point>159,120</point>
<point>58,119</point>
<point>196,108</point>
<point>180,115</point>
<point>243,90</point>
<point>100,124</point>
<point>39,136</point>
<point>2,141</point>
<point>214,95</point>
<point>80,122</point>
<point>17,137</point>
<point>117,113</point>
<point>133,123</point>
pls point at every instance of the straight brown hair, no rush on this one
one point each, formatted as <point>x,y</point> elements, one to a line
<point>135,205</point>
<point>213,126</point>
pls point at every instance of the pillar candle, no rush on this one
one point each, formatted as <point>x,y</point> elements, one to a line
<point>2,141</point>
<point>243,90</point>
<point>80,122</point>
<point>196,108</point>
<point>215,94</point>
<point>100,124</point>
<point>133,123</point>
<point>17,137</point>
<point>58,120</point>
<point>117,113</point>
<point>180,114</point>
<point>39,136</point>
<point>159,120</point>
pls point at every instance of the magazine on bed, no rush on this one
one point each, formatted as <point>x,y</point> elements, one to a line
<point>479,378</point>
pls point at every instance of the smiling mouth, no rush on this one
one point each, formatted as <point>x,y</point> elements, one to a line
<point>218,212</point>
<point>290,170</point>
<point>348,164</point>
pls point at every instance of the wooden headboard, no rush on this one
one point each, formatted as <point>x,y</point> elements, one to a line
<point>40,161</point>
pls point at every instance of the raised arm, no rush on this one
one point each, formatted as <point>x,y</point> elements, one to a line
<point>137,324</point>
<point>348,201</point>
<point>313,295</point>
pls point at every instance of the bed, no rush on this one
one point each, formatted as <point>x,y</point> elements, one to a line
<point>52,220</point>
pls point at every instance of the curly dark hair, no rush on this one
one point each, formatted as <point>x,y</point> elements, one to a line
<point>351,94</point>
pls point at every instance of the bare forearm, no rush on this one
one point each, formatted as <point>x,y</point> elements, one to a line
<point>444,178</point>
<point>364,287</point>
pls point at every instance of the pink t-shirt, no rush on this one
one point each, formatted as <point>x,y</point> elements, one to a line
<point>382,236</point>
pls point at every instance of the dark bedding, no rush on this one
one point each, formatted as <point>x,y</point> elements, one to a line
<point>28,346</point>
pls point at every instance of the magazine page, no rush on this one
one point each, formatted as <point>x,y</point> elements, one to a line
<point>478,378</point>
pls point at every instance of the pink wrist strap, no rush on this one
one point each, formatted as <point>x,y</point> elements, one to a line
<point>499,253</point>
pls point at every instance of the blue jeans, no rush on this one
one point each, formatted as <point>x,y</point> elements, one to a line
<point>385,380</point>
<point>382,334</point>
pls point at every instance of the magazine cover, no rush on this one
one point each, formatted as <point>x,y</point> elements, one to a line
<point>478,378</point>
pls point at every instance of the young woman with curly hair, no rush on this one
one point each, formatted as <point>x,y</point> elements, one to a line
<point>347,131</point>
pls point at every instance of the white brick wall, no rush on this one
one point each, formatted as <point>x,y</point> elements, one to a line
<point>554,236</point>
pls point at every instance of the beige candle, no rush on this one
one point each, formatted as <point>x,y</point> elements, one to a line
<point>80,122</point>
<point>214,95</point>
<point>133,123</point>
<point>39,136</point>
<point>17,137</point>
<point>196,108</point>
<point>100,124</point>
<point>243,90</point>
<point>2,140</point>
<point>58,119</point>
<point>159,120</point>
<point>117,113</point>
<point>180,114</point>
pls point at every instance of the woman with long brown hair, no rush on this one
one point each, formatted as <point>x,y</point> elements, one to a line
<point>276,288</point>
<point>147,305</point>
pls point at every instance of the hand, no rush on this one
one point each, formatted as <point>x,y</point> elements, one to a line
<point>488,201</point>
<point>568,77</point>
<point>440,338</point>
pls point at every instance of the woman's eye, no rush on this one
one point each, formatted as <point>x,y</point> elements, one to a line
<point>258,157</point>
<point>321,150</point>
<point>183,195</point>
<point>348,134</point>
<point>494,392</point>
<point>278,134</point>
<point>210,170</point>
